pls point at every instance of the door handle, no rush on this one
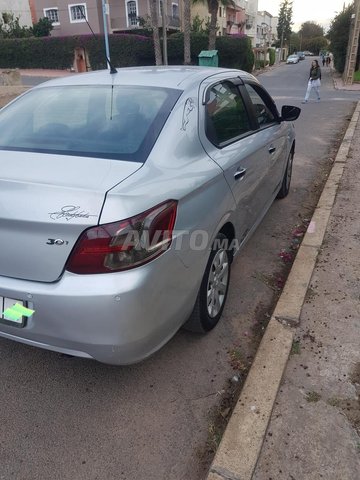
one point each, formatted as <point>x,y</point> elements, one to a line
<point>239,173</point>
<point>272,150</point>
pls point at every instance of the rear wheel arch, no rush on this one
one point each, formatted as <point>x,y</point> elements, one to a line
<point>228,230</point>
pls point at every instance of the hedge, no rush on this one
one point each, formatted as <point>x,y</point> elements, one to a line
<point>58,52</point>
<point>234,52</point>
<point>125,50</point>
<point>271,55</point>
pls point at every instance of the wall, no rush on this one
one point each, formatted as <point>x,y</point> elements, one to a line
<point>20,8</point>
<point>94,15</point>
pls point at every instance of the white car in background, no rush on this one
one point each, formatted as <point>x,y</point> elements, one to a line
<point>292,59</point>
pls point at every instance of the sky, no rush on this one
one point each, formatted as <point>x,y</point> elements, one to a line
<point>319,11</point>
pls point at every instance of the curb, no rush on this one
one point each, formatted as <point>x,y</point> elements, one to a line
<point>240,447</point>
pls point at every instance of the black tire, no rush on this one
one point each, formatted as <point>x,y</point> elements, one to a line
<point>285,185</point>
<point>206,314</point>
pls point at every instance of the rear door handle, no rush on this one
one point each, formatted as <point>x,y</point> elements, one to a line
<point>272,150</point>
<point>239,173</point>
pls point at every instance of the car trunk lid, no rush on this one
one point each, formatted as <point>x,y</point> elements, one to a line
<point>46,201</point>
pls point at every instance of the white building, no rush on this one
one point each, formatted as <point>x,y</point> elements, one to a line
<point>19,8</point>
<point>266,32</point>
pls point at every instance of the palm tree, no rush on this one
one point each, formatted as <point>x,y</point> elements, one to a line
<point>213,7</point>
<point>154,5</point>
<point>187,28</point>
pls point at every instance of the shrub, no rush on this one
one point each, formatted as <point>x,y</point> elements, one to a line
<point>271,55</point>
<point>260,64</point>
<point>234,52</point>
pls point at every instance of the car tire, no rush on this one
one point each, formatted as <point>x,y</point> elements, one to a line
<point>213,291</point>
<point>285,185</point>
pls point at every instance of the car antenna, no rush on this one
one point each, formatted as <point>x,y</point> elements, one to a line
<point>112,68</point>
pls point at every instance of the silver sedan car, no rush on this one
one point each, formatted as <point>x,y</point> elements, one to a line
<point>125,197</point>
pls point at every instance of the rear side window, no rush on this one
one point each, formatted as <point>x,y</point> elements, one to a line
<point>263,110</point>
<point>226,117</point>
<point>120,122</point>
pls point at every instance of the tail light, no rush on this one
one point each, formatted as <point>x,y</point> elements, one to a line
<point>126,244</point>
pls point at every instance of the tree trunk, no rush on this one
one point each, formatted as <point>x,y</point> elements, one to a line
<point>154,5</point>
<point>187,28</point>
<point>214,7</point>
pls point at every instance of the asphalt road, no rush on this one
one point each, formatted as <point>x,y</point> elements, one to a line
<point>31,80</point>
<point>67,418</point>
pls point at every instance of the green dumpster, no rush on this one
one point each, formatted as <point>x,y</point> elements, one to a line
<point>208,58</point>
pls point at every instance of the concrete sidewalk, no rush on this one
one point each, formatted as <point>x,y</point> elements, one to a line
<point>315,425</point>
<point>300,419</point>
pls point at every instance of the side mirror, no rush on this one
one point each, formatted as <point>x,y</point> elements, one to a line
<point>289,113</point>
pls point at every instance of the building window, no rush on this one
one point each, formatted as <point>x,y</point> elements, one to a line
<point>53,15</point>
<point>132,15</point>
<point>77,12</point>
<point>175,10</point>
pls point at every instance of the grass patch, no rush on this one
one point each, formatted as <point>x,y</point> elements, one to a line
<point>357,76</point>
<point>334,402</point>
<point>313,397</point>
<point>295,348</point>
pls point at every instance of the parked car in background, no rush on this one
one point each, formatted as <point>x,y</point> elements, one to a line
<point>301,55</point>
<point>292,59</point>
<point>124,198</point>
<point>308,54</point>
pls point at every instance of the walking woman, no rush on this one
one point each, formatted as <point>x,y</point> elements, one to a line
<point>314,81</point>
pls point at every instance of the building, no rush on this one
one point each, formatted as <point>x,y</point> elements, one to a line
<point>19,8</point>
<point>69,17</point>
<point>236,18</point>
<point>264,29</point>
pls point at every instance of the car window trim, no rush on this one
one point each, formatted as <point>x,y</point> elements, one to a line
<point>236,82</point>
<point>267,100</point>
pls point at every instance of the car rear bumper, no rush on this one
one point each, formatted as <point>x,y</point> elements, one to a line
<point>116,318</point>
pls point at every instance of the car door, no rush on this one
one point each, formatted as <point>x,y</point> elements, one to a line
<point>272,135</point>
<point>227,132</point>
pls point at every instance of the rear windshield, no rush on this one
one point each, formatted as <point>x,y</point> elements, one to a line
<point>117,122</point>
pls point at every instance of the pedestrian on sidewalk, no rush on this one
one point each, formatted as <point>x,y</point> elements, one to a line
<point>314,81</point>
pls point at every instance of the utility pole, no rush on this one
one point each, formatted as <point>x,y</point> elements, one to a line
<point>281,44</point>
<point>165,55</point>
<point>348,75</point>
<point>105,9</point>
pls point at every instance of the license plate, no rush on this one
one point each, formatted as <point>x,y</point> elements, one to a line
<point>14,312</point>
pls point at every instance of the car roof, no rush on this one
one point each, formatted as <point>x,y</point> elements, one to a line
<point>180,77</point>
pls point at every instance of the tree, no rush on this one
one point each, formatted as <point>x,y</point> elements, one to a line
<point>311,30</point>
<point>42,28</point>
<point>315,44</point>
<point>294,42</point>
<point>285,21</point>
<point>187,29</point>
<point>10,27</point>
<point>339,36</point>
<point>197,25</point>
<point>155,28</point>
<point>213,7</point>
